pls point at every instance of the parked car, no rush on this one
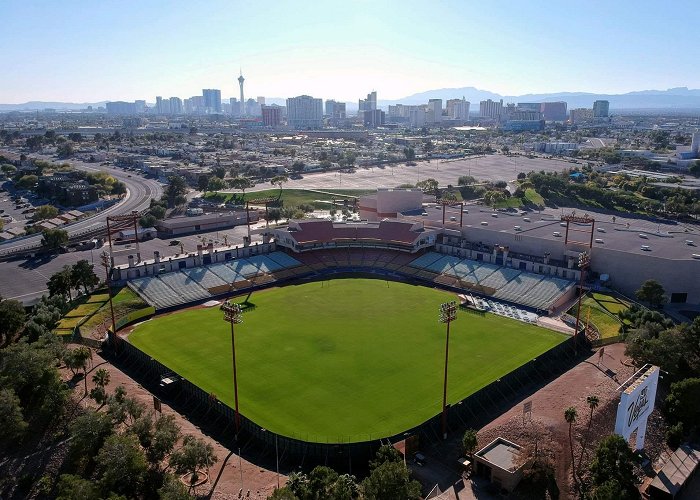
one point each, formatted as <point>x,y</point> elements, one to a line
<point>174,243</point>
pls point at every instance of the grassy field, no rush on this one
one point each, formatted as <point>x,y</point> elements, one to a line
<point>341,361</point>
<point>292,197</point>
<point>124,301</point>
<point>601,310</point>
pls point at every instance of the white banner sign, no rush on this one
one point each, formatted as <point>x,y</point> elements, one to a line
<point>636,404</point>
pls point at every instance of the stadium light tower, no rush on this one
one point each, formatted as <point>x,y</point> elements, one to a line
<point>232,314</point>
<point>584,260</point>
<point>107,263</point>
<point>448,313</point>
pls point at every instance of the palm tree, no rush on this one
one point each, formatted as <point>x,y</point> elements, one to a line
<point>593,403</point>
<point>570,415</point>
<point>101,380</point>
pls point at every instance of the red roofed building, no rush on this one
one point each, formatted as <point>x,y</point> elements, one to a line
<point>301,235</point>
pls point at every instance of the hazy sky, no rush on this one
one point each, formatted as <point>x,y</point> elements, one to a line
<point>82,51</point>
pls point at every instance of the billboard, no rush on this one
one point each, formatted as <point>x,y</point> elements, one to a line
<point>637,403</point>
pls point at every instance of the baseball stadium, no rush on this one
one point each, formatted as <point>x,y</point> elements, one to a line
<point>330,334</point>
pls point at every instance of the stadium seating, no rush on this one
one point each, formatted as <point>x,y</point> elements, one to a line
<point>225,272</point>
<point>204,277</point>
<point>284,260</point>
<point>188,289</point>
<point>156,292</point>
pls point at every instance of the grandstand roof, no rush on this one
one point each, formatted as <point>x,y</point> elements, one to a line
<point>665,238</point>
<point>321,231</point>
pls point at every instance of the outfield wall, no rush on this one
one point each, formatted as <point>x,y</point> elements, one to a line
<point>473,411</point>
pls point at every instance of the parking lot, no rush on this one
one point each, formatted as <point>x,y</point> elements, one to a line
<point>16,207</point>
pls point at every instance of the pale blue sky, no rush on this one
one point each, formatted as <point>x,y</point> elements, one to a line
<point>75,50</point>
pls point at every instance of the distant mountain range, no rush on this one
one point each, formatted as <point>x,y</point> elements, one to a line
<point>679,99</point>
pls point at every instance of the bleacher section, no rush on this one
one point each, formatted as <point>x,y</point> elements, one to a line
<point>512,285</point>
<point>200,283</point>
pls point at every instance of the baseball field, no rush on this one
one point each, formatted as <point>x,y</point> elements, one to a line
<point>343,360</point>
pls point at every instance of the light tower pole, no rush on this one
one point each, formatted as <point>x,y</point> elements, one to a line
<point>448,313</point>
<point>107,263</point>
<point>240,83</point>
<point>232,314</point>
<point>584,261</point>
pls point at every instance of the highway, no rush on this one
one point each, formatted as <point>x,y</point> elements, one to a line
<point>140,191</point>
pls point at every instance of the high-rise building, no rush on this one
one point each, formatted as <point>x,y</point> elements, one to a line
<point>304,112</point>
<point>491,109</point>
<point>532,106</point>
<point>374,118</point>
<point>579,115</point>
<point>252,108</point>
<point>260,100</point>
<point>140,107</point>
<point>335,109</point>
<point>175,106</point>
<point>212,101</point>
<point>434,110</point>
<point>235,107</point>
<point>271,116</point>
<point>554,111</point>
<point>601,109</point>
<point>369,104</point>
<point>159,105</point>
<point>240,84</point>
<point>121,108</point>
<point>458,109</point>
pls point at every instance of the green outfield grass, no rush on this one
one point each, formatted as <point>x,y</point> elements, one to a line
<point>344,360</point>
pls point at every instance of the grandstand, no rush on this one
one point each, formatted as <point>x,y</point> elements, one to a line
<point>191,285</point>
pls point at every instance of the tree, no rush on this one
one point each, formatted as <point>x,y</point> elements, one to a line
<point>175,191</point>
<point>385,453</point>
<point>101,380</point>
<point>148,220</point>
<point>72,487</point>
<point>470,442</point>
<point>428,186</point>
<point>409,153</point>
<point>157,437</point>
<point>27,181</point>
<point>61,283</point>
<point>44,212</point>
<point>570,416</point>
<point>278,180</point>
<point>241,183</point>
<point>694,169</point>
<point>83,274</point>
<point>652,292</point>
<point>390,481</point>
<point>65,150</point>
<point>682,404</point>
<point>12,424</point>
<point>203,183</point>
<point>12,318</point>
<point>173,489</point>
<point>593,402</point>
<point>158,211</point>
<point>77,359</point>
<point>219,171</point>
<point>216,184</point>
<point>53,239</point>
<point>612,469</point>
<point>194,454</point>
<point>121,465</point>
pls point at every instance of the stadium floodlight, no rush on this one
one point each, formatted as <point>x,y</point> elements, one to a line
<point>448,313</point>
<point>584,260</point>
<point>233,314</point>
<point>107,264</point>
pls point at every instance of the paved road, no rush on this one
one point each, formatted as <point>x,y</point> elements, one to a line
<point>139,193</point>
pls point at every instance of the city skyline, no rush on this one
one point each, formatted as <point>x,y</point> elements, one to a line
<point>110,51</point>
